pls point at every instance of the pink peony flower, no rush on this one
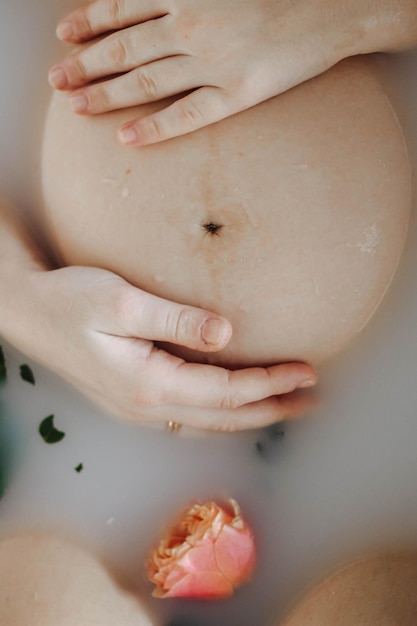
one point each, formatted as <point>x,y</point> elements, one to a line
<point>207,554</point>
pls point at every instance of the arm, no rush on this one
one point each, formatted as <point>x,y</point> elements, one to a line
<point>97,331</point>
<point>20,258</point>
<point>229,55</point>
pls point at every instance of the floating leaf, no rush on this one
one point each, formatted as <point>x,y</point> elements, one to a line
<point>270,440</point>
<point>79,468</point>
<point>275,431</point>
<point>26,374</point>
<point>3,368</point>
<point>261,449</point>
<point>48,432</point>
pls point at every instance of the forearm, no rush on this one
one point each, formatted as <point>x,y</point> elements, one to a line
<point>20,258</point>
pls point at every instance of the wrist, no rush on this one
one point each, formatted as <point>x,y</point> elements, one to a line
<point>21,263</point>
<point>19,297</point>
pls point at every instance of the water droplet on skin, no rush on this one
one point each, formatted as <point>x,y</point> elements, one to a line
<point>159,278</point>
<point>125,192</point>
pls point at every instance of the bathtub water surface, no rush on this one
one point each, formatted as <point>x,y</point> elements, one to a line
<point>341,482</point>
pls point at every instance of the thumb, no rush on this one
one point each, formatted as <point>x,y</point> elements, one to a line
<point>156,319</point>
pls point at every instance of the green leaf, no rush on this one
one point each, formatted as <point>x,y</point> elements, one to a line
<point>79,468</point>
<point>26,374</point>
<point>271,438</point>
<point>3,368</point>
<point>276,431</point>
<point>48,432</point>
<point>261,449</point>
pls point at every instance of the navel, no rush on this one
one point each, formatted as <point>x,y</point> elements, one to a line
<point>212,228</point>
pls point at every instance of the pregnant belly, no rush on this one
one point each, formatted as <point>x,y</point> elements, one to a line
<point>289,218</point>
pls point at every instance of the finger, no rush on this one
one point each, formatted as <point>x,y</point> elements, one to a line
<point>208,386</point>
<point>200,108</point>
<point>149,83</point>
<point>102,16</point>
<point>117,53</point>
<point>145,316</point>
<point>251,416</point>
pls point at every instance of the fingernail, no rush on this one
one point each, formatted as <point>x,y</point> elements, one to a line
<point>79,103</point>
<point>213,332</point>
<point>128,135</point>
<point>58,77</point>
<point>65,30</point>
<point>309,382</point>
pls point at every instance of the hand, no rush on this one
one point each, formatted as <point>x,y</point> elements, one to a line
<point>231,55</point>
<point>96,331</point>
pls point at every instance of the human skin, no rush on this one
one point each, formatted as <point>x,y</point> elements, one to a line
<point>92,366</point>
<point>380,590</point>
<point>61,330</point>
<point>49,581</point>
<point>310,191</point>
<point>95,330</point>
<point>232,55</point>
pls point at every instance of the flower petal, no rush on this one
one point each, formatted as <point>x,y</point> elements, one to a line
<point>203,585</point>
<point>201,558</point>
<point>235,554</point>
<point>170,577</point>
<point>206,554</point>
